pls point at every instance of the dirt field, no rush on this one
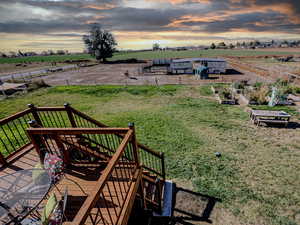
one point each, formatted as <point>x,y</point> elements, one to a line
<point>292,50</point>
<point>9,68</point>
<point>115,74</point>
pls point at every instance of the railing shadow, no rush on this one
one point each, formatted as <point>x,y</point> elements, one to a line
<point>192,207</point>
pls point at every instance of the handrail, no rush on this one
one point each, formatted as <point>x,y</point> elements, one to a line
<point>76,131</point>
<point>52,117</point>
<point>15,116</point>
<point>94,197</point>
<point>13,136</point>
<point>140,146</point>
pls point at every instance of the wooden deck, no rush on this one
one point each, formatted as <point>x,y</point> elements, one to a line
<point>80,180</point>
<point>106,168</point>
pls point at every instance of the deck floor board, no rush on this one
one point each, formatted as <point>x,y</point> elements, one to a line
<point>80,182</point>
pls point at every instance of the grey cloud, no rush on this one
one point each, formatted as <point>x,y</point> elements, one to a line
<point>72,16</point>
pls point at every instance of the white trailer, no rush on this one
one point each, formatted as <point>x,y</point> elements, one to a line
<point>187,66</point>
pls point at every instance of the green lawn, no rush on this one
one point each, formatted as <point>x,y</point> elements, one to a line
<point>257,176</point>
<point>50,58</point>
<point>148,55</point>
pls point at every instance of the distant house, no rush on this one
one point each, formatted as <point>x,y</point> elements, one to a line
<point>187,66</point>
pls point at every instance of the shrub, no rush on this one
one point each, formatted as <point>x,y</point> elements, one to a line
<point>260,95</point>
<point>225,93</point>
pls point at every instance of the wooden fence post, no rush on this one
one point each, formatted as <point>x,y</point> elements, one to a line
<point>70,114</point>
<point>134,144</point>
<point>35,114</point>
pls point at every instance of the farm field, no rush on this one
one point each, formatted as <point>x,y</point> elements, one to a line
<point>202,53</point>
<point>158,54</point>
<point>257,176</point>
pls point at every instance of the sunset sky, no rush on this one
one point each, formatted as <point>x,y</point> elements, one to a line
<point>59,24</point>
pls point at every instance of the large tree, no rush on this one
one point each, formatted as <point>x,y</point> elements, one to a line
<point>100,43</point>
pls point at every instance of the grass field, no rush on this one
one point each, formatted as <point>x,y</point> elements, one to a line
<point>257,177</point>
<point>51,58</point>
<point>149,55</point>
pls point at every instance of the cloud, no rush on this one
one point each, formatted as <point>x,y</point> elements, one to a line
<point>209,18</point>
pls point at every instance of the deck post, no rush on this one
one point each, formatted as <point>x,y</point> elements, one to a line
<point>70,114</point>
<point>35,114</point>
<point>35,141</point>
<point>163,170</point>
<point>134,144</point>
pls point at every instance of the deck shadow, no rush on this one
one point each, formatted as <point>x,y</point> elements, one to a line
<point>233,72</point>
<point>192,207</point>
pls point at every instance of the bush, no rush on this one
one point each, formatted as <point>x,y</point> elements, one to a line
<point>260,95</point>
<point>258,85</point>
<point>239,85</point>
<point>225,93</point>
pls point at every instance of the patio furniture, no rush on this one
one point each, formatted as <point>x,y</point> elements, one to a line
<point>52,213</point>
<point>269,117</point>
<point>21,192</point>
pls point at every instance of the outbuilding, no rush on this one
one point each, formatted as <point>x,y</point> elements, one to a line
<point>189,65</point>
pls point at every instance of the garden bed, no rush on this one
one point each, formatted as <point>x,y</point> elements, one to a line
<point>224,95</point>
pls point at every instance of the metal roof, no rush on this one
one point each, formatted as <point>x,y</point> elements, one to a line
<point>197,59</point>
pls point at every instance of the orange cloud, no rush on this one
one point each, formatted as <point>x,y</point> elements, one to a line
<point>222,15</point>
<point>100,7</point>
<point>175,2</point>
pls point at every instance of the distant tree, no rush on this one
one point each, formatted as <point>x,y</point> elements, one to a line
<point>44,53</point>
<point>60,52</point>
<point>257,43</point>
<point>155,47</point>
<point>12,54</point>
<point>3,55</point>
<point>231,46</point>
<point>238,44</point>
<point>222,45</point>
<point>213,46</point>
<point>50,52</point>
<point>244,44</point>
<point>100,43</point>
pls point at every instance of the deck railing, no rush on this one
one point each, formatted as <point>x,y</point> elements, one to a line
<point>14,139</point>
<point>151,160</point>
<point>106,204</point>
<point>13,133</point>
